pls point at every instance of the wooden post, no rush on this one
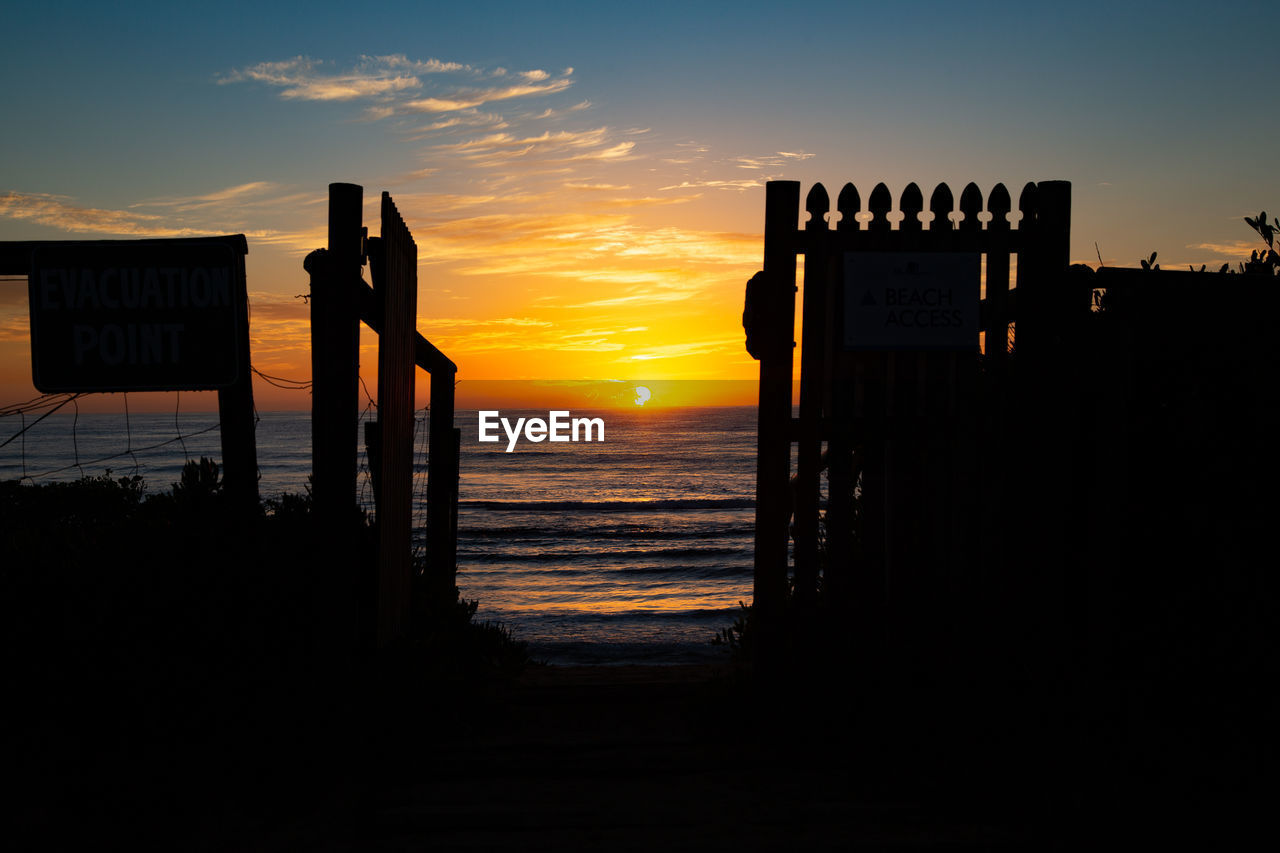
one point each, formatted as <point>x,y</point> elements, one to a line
<point>335,358</point>
<point>235,412</point>
<point>773,454</point>
<point>342,587</point>
<point>442,491</point>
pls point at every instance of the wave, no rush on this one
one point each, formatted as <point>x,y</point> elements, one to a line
<point>624,531</point>
<point>593,555</point>
<point>610,506</point>
<point>549,614</point>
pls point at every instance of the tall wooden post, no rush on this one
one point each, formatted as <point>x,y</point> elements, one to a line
<point>342,591</point>
<point>335,358</point>
<point>773,454</point>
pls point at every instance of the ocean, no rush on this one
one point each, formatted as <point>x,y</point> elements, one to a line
<point>634,549</point>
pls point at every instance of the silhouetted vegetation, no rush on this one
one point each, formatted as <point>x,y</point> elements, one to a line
<point>1261,261</point>
<point>160,645</point>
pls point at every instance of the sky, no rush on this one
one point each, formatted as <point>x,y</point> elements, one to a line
<point>585,182</point>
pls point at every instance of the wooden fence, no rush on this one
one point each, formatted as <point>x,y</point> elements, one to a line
<point>913,434</point>
<point>340,300</point>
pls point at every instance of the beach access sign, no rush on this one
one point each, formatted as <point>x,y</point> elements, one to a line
<point>134,316</point>
<point>911,300</point>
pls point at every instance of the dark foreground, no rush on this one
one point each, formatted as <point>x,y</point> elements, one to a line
<point>640,758</point>
<point>633,758</point>
<point>175,679</point>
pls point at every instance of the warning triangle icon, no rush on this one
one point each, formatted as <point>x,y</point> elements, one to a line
<point>869,300</point>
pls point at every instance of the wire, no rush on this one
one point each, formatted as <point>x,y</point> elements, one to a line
<point>25,427</point>
<point>128,433</point>
<point>75,438</point>
<point>177,401</point>
<point>282,383</point>
<point>35,404</point>
<point>130,451</point>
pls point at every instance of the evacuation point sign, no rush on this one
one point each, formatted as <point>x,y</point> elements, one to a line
<point>134,317</point>
<point>911,300</point>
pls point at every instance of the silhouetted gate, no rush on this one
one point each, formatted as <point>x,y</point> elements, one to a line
<point>914,426</point>
<point>340,300</point>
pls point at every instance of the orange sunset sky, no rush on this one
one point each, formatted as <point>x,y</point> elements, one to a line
<point>586,187</point>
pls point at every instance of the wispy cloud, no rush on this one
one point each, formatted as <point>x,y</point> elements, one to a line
<point>400,85</point>
<point>1237,250</point>
<point>16,327</point>
<point>472,97</point>
<point>305,79</point>
<point>218,212</point>
<point>747,184</point>
<point>463,322</point>
<point>686,349</point>
<point>558,146</point>
<point>769,161</point>
<point>60,212</point>
<point>240,194</point>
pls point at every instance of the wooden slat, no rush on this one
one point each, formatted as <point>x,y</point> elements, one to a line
<point>996,321</point>
<point>971,206</point>
<point>397,292</point>
<point>941,203</point>
<point>849,204</point>
<point>880,203</point>
<point>911,204</point>
<point>806,487</point>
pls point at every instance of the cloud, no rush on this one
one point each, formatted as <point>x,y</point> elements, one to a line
<point>57,211</point>
<point>462,119</point>
<point>660,294</point>
<point>16,327</point>
<point>465,99</point>
<point>689,348</point>
<point>613,188</point>
<point>1235,250</point>
<point>769,161</point>
<point>302,78</point>
<point>715,185</point>
<point>460,322</point>
<point>399,85</point>
<point>582,245</point>
<point>550,113</point>
<point>427,66</point>
<point>239,194</point>
<point>551,147</point>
